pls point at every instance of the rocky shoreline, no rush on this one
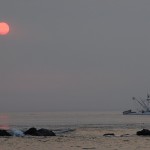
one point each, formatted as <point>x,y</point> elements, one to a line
<point>31,131</point>
<point>143,132</point>
<point>78,139</point>
<point>46,132</point>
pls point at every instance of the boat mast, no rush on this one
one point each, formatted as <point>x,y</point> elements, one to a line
<point>141,103</point>
<point>145,105</point>
<point>148,99</point>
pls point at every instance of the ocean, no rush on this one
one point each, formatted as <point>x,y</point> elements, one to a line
<point>73,120</point>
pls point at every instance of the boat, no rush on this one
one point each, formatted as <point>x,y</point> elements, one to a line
<point>145,107</point>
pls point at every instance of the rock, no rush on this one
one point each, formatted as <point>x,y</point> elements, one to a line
<point>109,134</point>
<point>45,132</point>
<point>40,132</point>
<point>144,132</point>
<point>31,131</point>
<point>4,133</point>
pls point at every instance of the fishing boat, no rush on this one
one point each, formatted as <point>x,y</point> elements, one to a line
<point>145,107</point>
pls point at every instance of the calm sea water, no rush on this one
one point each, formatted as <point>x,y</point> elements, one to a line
<point>62,120</point>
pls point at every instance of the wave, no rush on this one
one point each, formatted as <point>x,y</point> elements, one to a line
<point>62,131</point>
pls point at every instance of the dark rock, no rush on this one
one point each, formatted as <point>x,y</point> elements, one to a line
<point>4,133</point>
<point>40,132</point>
<point>144,132</point>
<point>45,132</point>
<point>31,131</point>
<point>109,134</point>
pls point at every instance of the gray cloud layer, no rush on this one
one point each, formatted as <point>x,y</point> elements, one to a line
<point>74,54</point>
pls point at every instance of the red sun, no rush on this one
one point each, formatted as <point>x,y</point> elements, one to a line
<point>4,28</point>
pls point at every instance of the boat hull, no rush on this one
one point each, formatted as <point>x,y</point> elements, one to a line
<point>137,114</point>
<point>129,112</point>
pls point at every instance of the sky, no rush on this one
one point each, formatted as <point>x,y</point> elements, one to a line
<point>74,55</point>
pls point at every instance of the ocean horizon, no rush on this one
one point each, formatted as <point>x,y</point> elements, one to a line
<point>61,120</point>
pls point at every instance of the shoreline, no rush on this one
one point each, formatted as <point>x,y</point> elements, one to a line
<point>79,139</point>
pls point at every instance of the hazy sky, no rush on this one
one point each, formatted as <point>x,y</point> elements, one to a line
<point>74,54</point>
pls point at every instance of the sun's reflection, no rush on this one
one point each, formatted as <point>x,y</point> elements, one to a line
<point>4,121</point>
